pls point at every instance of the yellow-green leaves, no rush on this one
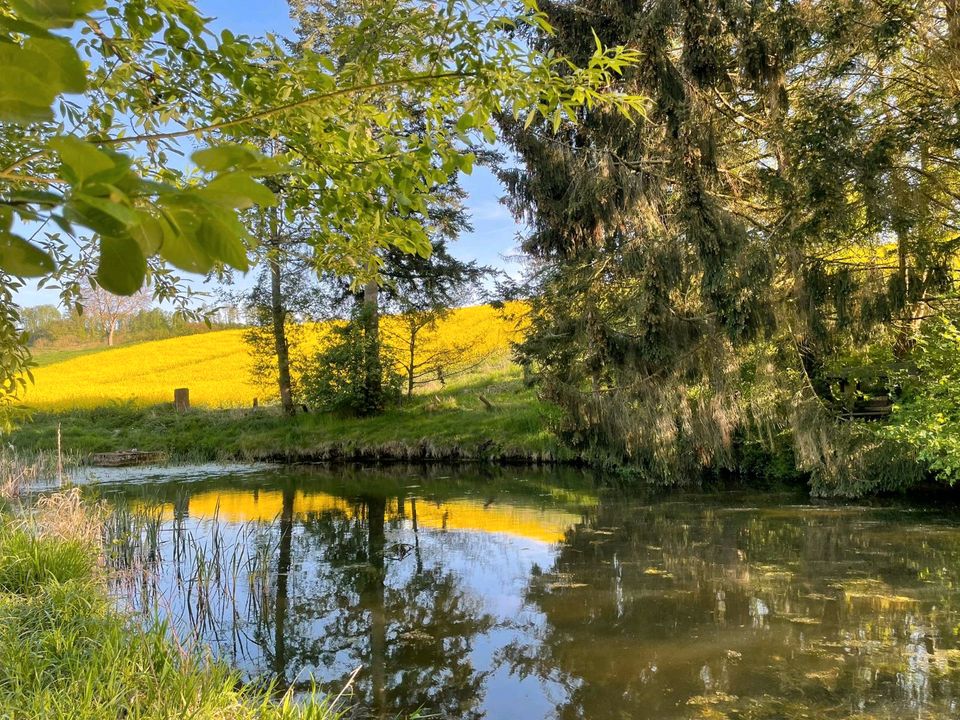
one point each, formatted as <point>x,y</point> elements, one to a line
<point>17,256</point>
<point>54,13</point>
<point>82,160</point>
<point>34,75</point>
<point>40,67</point>
<point>237,190</point>
<point>194,228</point>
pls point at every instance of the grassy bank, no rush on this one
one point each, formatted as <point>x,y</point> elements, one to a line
<point>66,652</point>
<point>454,424</point>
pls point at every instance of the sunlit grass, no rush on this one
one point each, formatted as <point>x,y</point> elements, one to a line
<point>218,369</point>
<point>67,652</point>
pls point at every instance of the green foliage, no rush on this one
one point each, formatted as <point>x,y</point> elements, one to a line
<point>66,652</point>
<point>154,78</point>
<point>348,375</point>
<point>780,191</point>
<point>926,416</point>
<point>27,562</point>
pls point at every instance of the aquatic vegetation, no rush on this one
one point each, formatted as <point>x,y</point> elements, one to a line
<point>67,652</point>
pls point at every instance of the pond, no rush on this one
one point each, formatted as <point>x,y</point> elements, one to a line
<point>532,594</point>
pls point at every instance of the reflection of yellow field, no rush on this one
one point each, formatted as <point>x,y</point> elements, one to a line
<point>546,525</point>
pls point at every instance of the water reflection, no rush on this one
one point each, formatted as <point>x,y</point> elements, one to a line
<point>531,597</point>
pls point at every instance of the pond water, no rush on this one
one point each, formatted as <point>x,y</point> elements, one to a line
<point>526,594</point>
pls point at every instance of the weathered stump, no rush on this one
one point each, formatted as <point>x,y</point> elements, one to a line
<point>181,399</point>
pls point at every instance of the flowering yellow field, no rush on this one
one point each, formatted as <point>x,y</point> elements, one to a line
<point>217,367</point>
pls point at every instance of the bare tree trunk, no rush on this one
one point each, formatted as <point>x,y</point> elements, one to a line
<point>371,306</point>
<point>413,349</point>
<point>111,326</point>
<point>278,316</point>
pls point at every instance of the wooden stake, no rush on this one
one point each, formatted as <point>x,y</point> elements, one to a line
<point>181,399</point>
<point>59,458</point>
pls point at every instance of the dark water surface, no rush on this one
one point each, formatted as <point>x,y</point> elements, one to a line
<point>526,594</point>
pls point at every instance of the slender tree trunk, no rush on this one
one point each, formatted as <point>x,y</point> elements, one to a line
<point>111,326</point>
<point>953,24</point>
<point>371,318</point>
<point>413,349</point>
<point>278,317</point>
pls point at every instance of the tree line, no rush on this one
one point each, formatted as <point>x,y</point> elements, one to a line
<point>742,218</point>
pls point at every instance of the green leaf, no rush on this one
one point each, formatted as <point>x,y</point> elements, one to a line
<point>122,266</point>
<point>35,74</point>
<point>24,96</point>
<point>101,215</point>
<point>466,122</point>
<point>225,157</point>
<point>147,230</point>
<point>63,66</point>
<point>180,245</point>
<point>18,257</point>
<point>37,197</point>
<point>223,238</point>
<point>81,159</point>
<point>55,13</point>
<point>237,190</point>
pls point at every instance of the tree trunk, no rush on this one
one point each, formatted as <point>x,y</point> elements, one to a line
<point>410,367</point>
<point>278,316</point>
<point>371,331</point>
<point>111,327</point>
<point>953,24</point>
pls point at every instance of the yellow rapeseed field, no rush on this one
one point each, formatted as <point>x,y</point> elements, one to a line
<point>217,367</point>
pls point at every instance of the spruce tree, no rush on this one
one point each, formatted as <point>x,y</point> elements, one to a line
<point>790,194</point>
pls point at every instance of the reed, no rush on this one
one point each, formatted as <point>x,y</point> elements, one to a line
<point>66,651</point>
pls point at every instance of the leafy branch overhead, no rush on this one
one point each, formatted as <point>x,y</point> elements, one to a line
<point>151,77</point>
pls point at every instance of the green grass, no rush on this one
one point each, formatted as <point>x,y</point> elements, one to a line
<point>28,563</point>
<point>66,652</point>
<point>451,424</point>
<point>48,356</point>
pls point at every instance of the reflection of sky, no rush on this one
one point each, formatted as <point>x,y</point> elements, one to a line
<point>639,612</point>
<point>492,571</point>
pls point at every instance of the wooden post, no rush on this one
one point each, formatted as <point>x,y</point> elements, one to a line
<point>181,399</point>
<point>256,403</point>
<point>59,457</point>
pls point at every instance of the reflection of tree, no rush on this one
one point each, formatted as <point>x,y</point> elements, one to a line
<point>674,611</point>
<point>372,600</point>
<point>281,596</point>
<point>362,599</point>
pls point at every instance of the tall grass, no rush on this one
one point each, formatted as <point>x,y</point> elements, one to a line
<point>206,585</point>
<point>66,651</point>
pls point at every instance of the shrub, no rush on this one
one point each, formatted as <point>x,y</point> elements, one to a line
<point>349,375</point>
<point>926,417</point>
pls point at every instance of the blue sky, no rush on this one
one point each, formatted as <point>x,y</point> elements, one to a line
<point>494,233</point>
